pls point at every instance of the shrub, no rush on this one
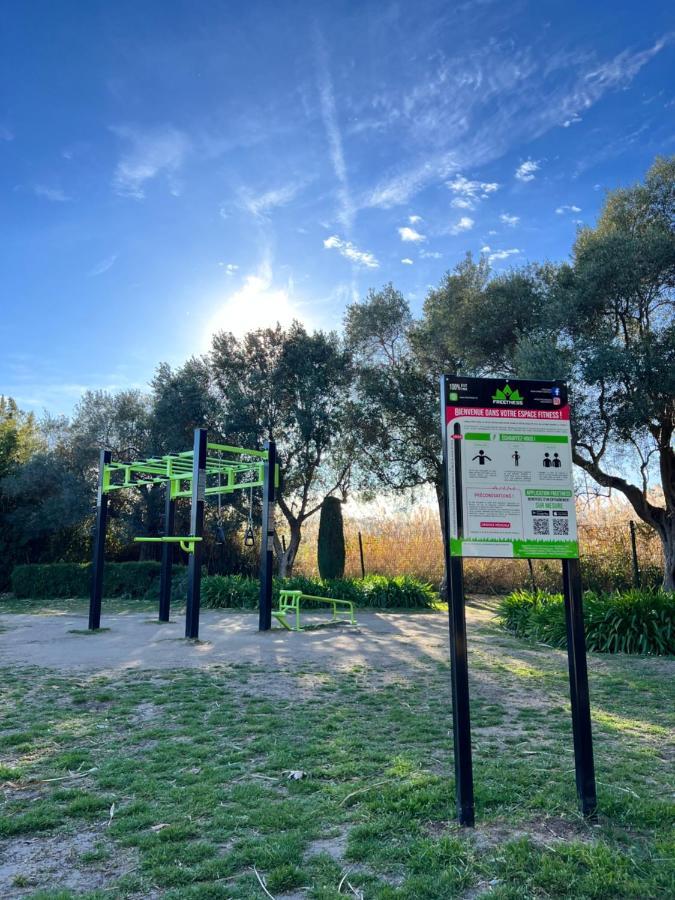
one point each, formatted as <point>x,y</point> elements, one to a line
<point>401,592</point>
<point>52,580</point>
<point>634,621</point>
<point>140,580</point>
<point>331,540</point>
<point>49,581</point>
<point>375,591</point>
<point>229,592</point>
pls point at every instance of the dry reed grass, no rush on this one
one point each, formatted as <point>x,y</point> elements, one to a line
<point>410,544</point>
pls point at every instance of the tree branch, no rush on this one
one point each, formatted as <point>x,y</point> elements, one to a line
<point>652,515</point>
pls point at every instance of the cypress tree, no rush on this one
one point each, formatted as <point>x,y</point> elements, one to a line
<point>331,545</point>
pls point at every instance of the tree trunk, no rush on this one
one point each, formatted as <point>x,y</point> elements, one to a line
<point>287,557</point>
<point>667,535</point>
<point>660,518</point>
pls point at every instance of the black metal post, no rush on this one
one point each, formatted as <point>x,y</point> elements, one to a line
<point>167,556</point>
<point>579,696</point>
<point>459,664</point>
<point>633,547</point>
<point>267,539</point>
<point>96,590</point>
<point>363,563</point>
<point>196,530</point>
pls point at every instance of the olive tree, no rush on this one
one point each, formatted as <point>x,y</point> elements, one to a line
<point>293,387</point>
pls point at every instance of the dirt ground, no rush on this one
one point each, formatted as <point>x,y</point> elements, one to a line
<point>136,641</point>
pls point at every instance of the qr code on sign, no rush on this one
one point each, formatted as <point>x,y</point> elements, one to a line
<point>541,526</point>
<point>561,526</point>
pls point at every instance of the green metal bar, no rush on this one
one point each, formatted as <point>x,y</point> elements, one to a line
<point>281,619</point>
<point>179,467</point>
<point>226,448</point>
<point>186,543</point>
<point>290,601</point>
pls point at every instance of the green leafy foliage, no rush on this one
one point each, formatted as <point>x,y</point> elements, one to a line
<point>635,621</point>
<point>131,579</point>
<point>229,592</point>
<point>374,591</point>
<point>293,387</point>
<point>331,543</point>
<point>140,580</point>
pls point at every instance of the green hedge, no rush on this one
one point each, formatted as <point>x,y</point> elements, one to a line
<point>140,580</point>
<point>130,579</point>
<point>374,591</point>
<point>635,621</point>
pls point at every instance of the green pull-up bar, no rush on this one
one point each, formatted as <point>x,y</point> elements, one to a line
<point>186,543</point>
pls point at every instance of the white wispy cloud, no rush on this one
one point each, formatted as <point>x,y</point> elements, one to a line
<point>411,235</point>
<point>398,188</point>
<point>53,194</point>
<point>502,254</point>
<point>509,220</point>
<point>526,170</point>
<point>431,254</point>
<point>262,204</point>
<point>468,193</point>
<point>561,210</point>
<point>464,224</point>
<point>104,265</point>
<point>573,120</point>
<point>407,261</point>
<point>230,268</point>
<point>469,108</point>
<point>414,220</point>
<point>149,153</point>
<point>485,248</point>
<point>332,128</point>
<point>351,252</point>
<point>625,66</point>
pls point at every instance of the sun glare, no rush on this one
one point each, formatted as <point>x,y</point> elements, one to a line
<point>256,304</point>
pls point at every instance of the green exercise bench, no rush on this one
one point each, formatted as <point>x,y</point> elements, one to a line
<point>289,602</point>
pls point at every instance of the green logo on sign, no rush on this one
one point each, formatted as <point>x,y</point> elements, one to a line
<point>507,396</point>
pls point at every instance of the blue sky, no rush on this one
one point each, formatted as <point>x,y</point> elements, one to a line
<point>167,169</point>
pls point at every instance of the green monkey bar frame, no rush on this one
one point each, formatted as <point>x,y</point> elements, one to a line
<point>209,469</point>
<point>177,470</point>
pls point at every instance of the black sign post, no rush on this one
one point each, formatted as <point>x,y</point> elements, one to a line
<point>459,661</point>
<point>514,501</point>
<point>579,696</point>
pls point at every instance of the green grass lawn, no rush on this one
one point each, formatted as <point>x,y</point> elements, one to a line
<point>178,784</point>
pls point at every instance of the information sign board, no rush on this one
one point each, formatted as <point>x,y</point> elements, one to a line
<point>509,457</point>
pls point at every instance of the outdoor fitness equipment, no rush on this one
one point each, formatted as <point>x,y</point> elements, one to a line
<point>220,531</point>
<point>289,602</point>
<point>197,474</point>
<point>249,535</point>
<point>186,543</point>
